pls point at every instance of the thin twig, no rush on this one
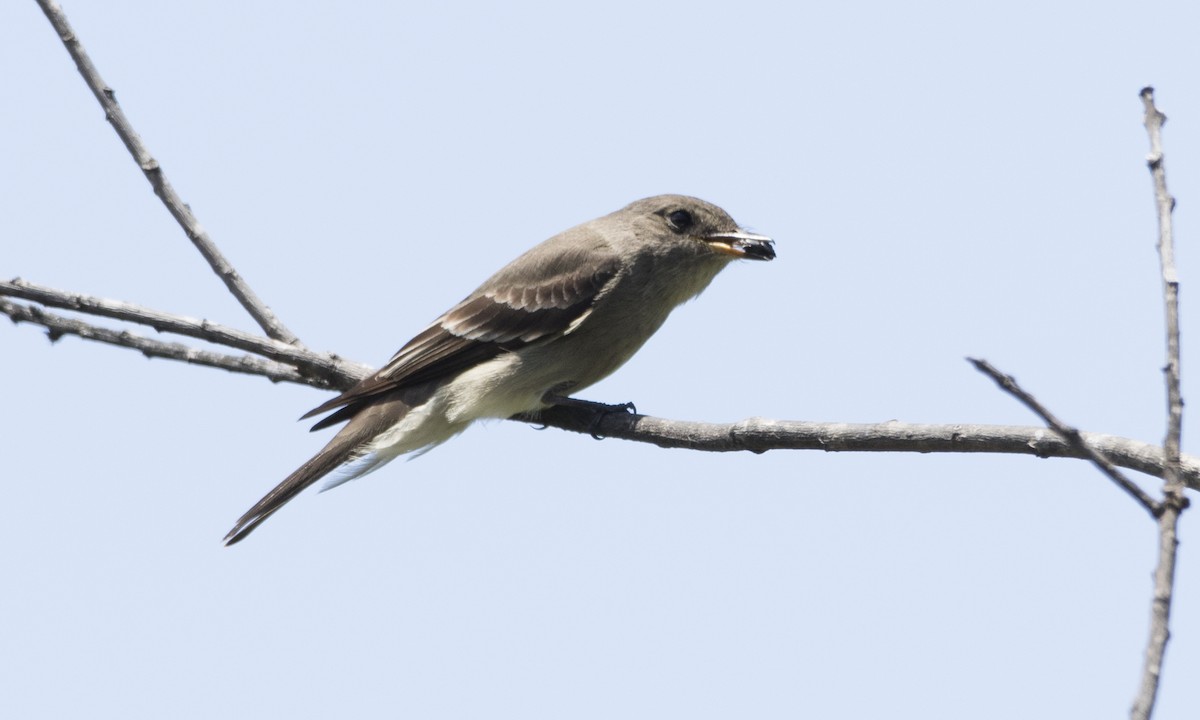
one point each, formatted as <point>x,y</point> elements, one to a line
<point>327,366</point>
<point>58,326</point>
<point>1174,501</point>
<point>179,210</point>
<point>1070,434</point>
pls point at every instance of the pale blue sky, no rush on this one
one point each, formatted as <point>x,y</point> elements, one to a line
<point>942,180</point>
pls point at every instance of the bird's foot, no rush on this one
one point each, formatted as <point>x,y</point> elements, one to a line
<point>599,409</point>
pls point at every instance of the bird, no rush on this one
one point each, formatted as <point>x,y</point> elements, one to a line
<point>562,316</point>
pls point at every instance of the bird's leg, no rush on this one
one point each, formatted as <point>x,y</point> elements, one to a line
<point>598,409</point>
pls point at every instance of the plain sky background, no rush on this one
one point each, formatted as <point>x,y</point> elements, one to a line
<point>942,180</point>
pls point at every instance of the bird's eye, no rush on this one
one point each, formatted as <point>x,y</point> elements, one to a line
<point>680,220</point>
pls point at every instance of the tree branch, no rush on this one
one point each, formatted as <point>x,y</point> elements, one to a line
<point>757,435</point>
<point>331,369</point>
<point>58,326</point>
<point>1174,501</point>
<point>258,310</point>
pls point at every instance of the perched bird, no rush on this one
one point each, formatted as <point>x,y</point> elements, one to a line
<point>559,318</point>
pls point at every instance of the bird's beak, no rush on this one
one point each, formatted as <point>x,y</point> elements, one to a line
<point>742,244</point>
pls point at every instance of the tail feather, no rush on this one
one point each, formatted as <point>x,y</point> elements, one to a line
<point>350,447</point>
<point>336,453</point>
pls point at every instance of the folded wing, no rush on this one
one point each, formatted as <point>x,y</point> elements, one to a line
<point>527,302</point>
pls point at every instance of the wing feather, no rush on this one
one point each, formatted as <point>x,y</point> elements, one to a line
<point>526,302</point>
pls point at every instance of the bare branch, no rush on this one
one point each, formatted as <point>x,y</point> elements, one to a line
<point>58,326</point>
<point>1070,434</point>
<point>760,435</point>
<point>1174,501</point>
<point>754,435</point>
<point>258,310</point>
<point>332,369</point>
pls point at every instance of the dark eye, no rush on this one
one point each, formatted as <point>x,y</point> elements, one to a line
<point>680,220</point>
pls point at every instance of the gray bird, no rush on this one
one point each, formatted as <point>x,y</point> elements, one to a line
<point>559,318</point>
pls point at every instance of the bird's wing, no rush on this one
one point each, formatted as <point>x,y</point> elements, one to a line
<point>539,296</point>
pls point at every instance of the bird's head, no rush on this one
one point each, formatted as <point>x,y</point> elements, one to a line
<point>690,225</point>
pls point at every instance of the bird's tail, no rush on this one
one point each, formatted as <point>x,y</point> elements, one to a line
<point>348,455</point>
<point>338,452</point>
